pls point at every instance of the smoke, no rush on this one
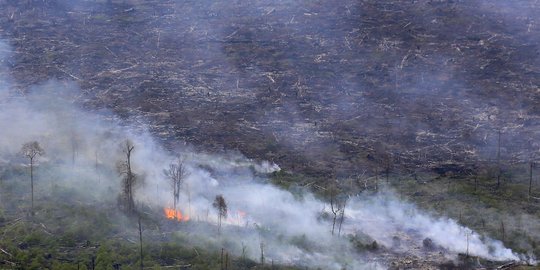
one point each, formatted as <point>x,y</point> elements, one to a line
<point>83,148</point>
<point>83,141</point>
<point>377,215</point>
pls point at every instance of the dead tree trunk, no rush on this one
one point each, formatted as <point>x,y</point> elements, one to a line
<point>337,206</point>
<point>227,261</point>
<point>128,181</point>
<point>131,178</point>
<point>243,252</point>
<point>502,231</point>
<point>475,184</point>
<point>499,161</point>
<point>140,240</point>
<point>334,223</point>
<point>221,260</point>
<point>262,253</point>
<point>176,173</point>
<point>32,183</point>
<point>341,221</point>
<point>376,179</point>
<point>221,206</point>
<point>530,178</point>
<point>31,150</point>
<point>467,244</point>
<point>335,210</point>
<point>387,169</point>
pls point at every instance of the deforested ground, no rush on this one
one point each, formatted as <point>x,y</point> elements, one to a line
<point>387,124</point>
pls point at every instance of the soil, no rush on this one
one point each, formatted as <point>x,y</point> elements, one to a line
<point>315,86</point>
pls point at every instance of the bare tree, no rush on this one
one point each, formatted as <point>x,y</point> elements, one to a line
<point>338,201</point>
<point>176,173</point>
<point>335,206</point>
<point>129,177</point>
<point>32,150</point>
<point>221,206</point>
<point>342,216</point>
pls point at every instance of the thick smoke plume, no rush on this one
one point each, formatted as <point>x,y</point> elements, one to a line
<point>83,149</point>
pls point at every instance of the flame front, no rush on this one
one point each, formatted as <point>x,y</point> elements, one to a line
<point>175,214</point>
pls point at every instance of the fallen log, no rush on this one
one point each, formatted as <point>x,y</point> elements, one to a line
<point>9,262</point>
<point>509,265</point>
<point>5,252</point>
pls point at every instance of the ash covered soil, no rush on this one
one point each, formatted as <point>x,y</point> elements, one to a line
<point>315,86</point>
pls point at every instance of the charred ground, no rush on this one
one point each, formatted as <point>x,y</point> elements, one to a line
<point>314,86</point>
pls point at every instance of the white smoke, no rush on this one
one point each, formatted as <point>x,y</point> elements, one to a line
<point>83,149</point>
<point>383,215</point>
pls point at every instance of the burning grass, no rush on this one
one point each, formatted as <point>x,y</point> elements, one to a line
<point>177,215</point>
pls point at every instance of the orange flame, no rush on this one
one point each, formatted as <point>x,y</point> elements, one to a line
<point>175,214</point>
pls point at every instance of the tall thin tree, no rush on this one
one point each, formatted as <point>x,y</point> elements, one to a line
<point>337,205</point>
<point>499,170</point>
<point>129,177</point>
<point>221,206</point>
<point>262,252</point>
<point>342,216</point>
<point>32,150</point>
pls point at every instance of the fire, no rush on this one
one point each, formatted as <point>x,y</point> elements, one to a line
<point>175,214</point>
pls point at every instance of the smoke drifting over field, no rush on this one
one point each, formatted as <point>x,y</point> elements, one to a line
<point>82,150</point>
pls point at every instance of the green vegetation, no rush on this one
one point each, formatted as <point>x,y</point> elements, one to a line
<point>503,213</point>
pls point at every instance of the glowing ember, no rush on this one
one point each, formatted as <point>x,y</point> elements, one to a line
<point>175,214</point>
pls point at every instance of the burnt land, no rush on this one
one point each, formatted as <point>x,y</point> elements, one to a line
<point>315,86</point>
